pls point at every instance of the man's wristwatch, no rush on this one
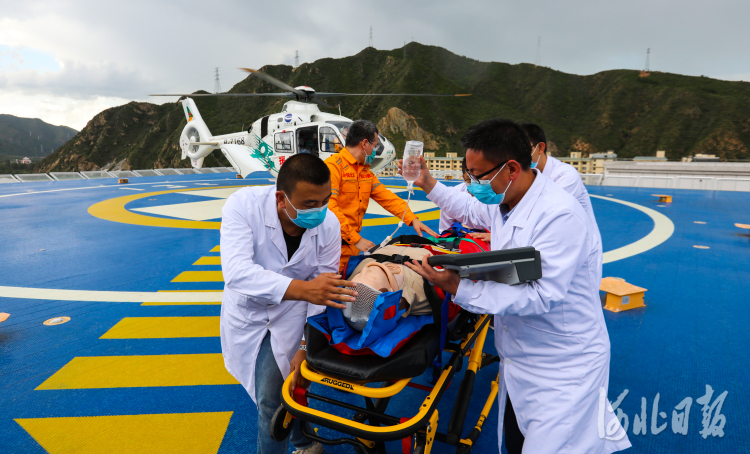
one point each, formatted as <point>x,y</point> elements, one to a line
<point>303,347</point>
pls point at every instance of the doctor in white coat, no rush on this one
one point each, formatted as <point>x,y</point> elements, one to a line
<point>280,250</point>
<point>550,333</point>
<point>568,178</point>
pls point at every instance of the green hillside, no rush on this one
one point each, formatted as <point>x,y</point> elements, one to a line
<point>30,137</point>
<point>613,110</point>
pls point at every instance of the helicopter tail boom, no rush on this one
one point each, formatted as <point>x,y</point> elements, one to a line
<point>195,138</point>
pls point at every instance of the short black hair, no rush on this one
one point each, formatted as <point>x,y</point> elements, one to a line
<point>360,130</point>
<point>499,140</point>
<point>463,166</point>
<point>536,134</point>
<point>302,167</point>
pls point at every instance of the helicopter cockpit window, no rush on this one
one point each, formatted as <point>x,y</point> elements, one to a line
<point>329,140</point>
<point>284,141</point>
<point>343,127</point>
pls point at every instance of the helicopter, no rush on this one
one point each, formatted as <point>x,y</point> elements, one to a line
<point>300,127</point>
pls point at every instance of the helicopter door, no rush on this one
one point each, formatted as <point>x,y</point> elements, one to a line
<point>307,140</point>
<point>284,142</point>
<point>330,142</point>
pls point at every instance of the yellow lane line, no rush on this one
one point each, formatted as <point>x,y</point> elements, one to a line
<point>163,328</point>
<point>208,260</point>
<point>140,371</point>
<point>125,434</point>
<point>199,276</point>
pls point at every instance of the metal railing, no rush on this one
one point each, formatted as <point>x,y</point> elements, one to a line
<point>97,174</point>
<point>8,178</point>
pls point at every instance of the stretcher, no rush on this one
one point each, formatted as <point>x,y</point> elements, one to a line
<point>376,380</point>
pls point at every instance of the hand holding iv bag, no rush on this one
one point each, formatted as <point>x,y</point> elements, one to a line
<point>412,166</point>
<point>410,169</point>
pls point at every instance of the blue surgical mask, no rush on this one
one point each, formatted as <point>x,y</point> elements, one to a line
<point>534,164</point>
<point>310,218</point>
<point>370,157</point>
<point>482,190</point>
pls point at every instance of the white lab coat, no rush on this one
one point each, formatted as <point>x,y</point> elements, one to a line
<point>568,178</point>
<point>256,276</point>
<point>446,221</point>
<point>550,334</point>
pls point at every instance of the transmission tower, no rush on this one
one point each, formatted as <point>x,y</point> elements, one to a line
<point>296,58</point>
<point>648,57</point>
<point>371,37</point>
<point>217,84</point>
<point>538,60</point>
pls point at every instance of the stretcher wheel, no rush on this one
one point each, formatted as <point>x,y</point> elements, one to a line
<point>278,431</point>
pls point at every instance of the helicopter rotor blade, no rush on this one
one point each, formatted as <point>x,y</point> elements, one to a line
<point>274,81</point>
<point>283,95</point>
<point>321,102</point>
<point>386,94</point>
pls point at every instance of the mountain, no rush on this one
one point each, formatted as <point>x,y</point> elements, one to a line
<point>630,112</point>
<point>30,137</point>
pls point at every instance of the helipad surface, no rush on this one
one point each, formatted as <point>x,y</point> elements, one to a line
<point>138,366</point>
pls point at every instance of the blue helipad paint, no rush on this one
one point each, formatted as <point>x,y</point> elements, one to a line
<point>693,331</point>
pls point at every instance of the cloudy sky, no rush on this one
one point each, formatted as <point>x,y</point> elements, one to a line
<point>64,61</point>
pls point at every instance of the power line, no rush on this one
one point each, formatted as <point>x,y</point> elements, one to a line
<point>371,37</point>
<point>217,84</point>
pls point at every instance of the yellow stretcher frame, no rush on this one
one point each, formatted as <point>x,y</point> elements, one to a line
<point>424,422</point>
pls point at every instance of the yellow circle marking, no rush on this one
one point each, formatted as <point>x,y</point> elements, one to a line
<point>114,210</point>
<point>56,321</point>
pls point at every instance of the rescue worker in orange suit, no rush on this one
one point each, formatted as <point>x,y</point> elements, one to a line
<point>352,186</point>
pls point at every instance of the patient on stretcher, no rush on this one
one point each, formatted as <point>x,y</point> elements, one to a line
<point>373,278</point>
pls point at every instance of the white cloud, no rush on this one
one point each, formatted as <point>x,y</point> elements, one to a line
<point>107,53</point>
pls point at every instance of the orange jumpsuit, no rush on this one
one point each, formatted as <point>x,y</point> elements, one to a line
<point>352,186</point>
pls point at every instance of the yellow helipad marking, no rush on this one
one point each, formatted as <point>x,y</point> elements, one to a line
<point>199,276</point>
<point>701,247</point>
<point>415,205</point>
<point>140,371</point>
<point>698,222</point>
<point>428,216</point>
<point>163,328</point>
<point>210,260</point>
<point>114,210</point>
<point>216,249</point>
<point>186,433</point>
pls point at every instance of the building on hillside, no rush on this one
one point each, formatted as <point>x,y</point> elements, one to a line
<point>450,162</point>
<point>660,157</point>
<point>23,161</point>
<point>578,161</point>
<point>598,159</point>
<point>699,157</point>
<point>391,170</point>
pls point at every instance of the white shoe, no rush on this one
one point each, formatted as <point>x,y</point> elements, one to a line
<point>315,448</point>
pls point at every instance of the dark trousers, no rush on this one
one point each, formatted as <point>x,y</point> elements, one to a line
<point>513,436</point>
